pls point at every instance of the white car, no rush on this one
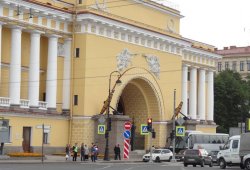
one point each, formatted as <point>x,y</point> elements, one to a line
<point>246,161</point>
<point>159,155</point>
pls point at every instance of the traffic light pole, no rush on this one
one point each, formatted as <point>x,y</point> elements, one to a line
<point>173,142</point>
<point>150,143</point>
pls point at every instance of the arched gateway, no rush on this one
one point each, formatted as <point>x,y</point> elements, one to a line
<point>136,99</point>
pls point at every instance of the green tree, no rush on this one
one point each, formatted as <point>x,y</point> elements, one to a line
<point>231,95</point>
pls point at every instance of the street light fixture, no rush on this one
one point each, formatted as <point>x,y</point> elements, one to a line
<point>107,105</point>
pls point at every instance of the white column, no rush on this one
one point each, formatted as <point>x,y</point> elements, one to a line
<point>51,82</point>
<point>193,94</point>
<point>201,94</point>
<point>210,96</point>
<point>0,51</point>
<point>184,89</point>
<point>66,75</point>
<point>15,66</point>
<point>34,69</point>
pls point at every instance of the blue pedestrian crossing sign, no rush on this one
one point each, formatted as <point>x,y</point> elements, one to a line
<point>101,129</point>
<point>180,131</point>
<point>144,129</point>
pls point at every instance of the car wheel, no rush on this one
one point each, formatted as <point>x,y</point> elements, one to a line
<point>247,164</point>
<point>185,165</point>
<point>194,165</point>
<point>202,163</point>
<point>157,159</point>
<point>170,158</point>
<point>222,163</point>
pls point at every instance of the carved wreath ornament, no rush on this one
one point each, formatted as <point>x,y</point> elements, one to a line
<point>125,57</point>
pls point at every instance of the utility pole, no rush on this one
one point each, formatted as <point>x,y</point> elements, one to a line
<point>173,142</point>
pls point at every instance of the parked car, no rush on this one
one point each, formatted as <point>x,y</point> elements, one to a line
<point>197,157</point>
<point>158,155</point>
<point>214,154</point>
<point>180,155</point>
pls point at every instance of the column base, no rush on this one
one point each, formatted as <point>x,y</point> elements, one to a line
<point>51,110</point>
<point>65,111</point>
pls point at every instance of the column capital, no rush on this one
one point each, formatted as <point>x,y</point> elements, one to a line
<point>36,32</point>
<point>68,39</point>
<point>53,36</point>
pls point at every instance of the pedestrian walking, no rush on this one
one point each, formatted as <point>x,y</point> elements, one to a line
<point>117,151</point>
<point>75,151</point>
<point>93,152</point>
<point>86,152</point>
<point>82,152</point>
<point>68,152</point>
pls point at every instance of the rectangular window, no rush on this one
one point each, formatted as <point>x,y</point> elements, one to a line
<point>242,66</point>
<point>226,65</point>
<point>234,66</point>
<point>75,100</point>
<point>45,137</point>
<point>10,132</point>
<point>248,65</point>
<point>188,76</point>
<point>80,1</point>
<point>44,97</point>
<point>219,66</point>
<point>77,52</point>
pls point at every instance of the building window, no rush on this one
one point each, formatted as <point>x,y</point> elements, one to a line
<point>77,52</point>
<point>219,66</point>
<point>226,65</point>
<point>242,66</point>
<point>75,100</point>
<point>234,66</point>
<point>10,132</point>
<point>45,137</point>
<point>248,65</point>
<point>80,1</point>
<point>188,76</point>
<point>44,97</point>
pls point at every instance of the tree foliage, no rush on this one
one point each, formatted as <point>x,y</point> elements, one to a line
<point>231,100</point>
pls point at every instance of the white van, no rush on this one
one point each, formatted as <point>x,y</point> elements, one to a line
<point>229,153</point>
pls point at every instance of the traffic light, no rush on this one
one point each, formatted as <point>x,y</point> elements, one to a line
<point>149,124</point>
<point>109,124</point>
<point>172,135</point>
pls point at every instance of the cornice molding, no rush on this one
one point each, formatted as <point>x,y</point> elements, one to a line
<point>38,10</point>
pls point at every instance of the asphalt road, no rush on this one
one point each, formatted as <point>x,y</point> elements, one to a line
<point>102,166</point>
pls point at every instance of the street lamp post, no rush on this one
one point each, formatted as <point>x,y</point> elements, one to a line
<point>108,121</point>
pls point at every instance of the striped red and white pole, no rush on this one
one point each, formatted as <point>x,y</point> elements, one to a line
<point>126,149</point>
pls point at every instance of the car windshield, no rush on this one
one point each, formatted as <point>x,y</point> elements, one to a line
<point>157,151</point>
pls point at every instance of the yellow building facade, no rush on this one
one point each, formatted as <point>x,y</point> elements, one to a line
<point>60,58</point>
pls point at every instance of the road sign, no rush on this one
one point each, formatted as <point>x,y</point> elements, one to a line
<point>102,119</point>
<point>180,131</point>
<point>126,149</point>
<point>127,134</point>
<point>101,129</point>
<point>248,124</point>
<point>127,125</point>
<point>144,129</point>
<point>180,121</point>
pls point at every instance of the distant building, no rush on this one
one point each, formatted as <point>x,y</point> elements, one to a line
<point>234,58</point>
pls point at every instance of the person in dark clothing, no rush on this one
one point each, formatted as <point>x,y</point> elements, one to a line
<point>75,151</point>
<point>117,151</point>
<point>82,153</point>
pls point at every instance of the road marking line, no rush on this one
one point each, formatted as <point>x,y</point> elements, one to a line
<point>104,167</point>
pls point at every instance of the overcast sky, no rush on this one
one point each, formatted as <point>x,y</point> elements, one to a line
<point>216,22</point>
